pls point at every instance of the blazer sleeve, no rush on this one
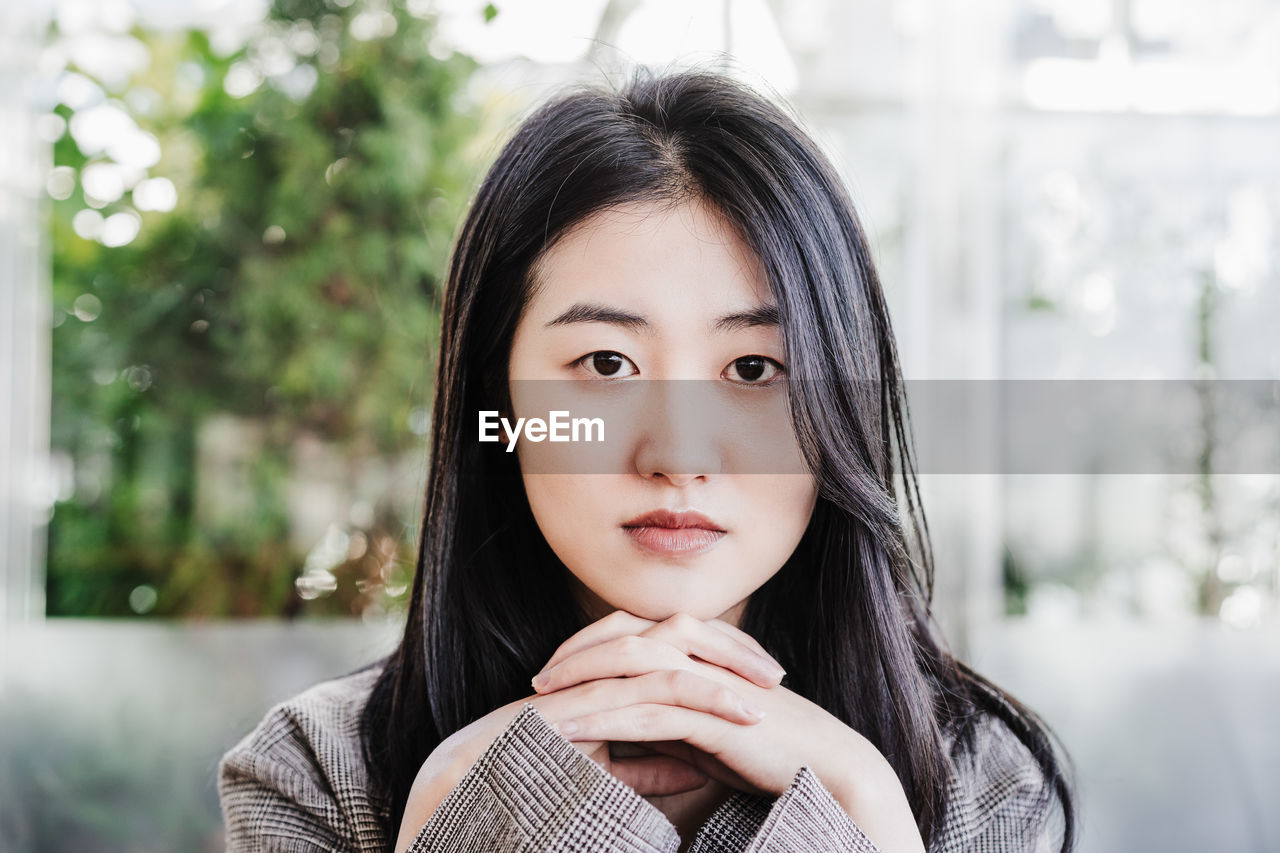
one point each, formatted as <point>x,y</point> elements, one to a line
<point>269,809</point>
<point>1018,816</point>
<point>807,816</point>
<point>532,789</point>
<point>297,783</point>
<point>274,800</point>
<point>999,800</point>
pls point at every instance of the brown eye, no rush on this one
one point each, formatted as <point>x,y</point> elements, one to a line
<point>603,362</point>
<point>752,367</point>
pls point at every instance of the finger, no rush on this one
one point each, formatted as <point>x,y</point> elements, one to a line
<point>667,646</point>
<point>623,623</point>
<point>676,687</point>
<point>629,655</point>
<point>693,636</point>
<point>713,767</point>
<point>743,636</point>
<point>658,775</point>
<point>675,748</point>
<point>648,722</point>
<point>617,624</point>
<point>686,689</point>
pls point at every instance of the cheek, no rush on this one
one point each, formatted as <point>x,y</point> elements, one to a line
<point>573,512</point>
<point>782,505</point>
<point>790,498</point>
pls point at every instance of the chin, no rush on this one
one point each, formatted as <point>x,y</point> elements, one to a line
<point>657,611</point>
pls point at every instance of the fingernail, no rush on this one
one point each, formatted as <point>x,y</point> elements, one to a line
<point>768,658</point>
<point>541,679</point>
<point>568,727</point>
<point>775,669</point>
<point>752,711</point>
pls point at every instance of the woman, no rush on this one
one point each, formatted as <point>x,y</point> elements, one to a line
<point>682,229</point>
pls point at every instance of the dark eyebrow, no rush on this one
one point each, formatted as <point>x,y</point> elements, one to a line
<point>589,312</point>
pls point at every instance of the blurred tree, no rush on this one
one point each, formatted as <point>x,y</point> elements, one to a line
<point>293,283</point>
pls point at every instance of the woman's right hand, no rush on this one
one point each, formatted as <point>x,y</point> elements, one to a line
<point>654,774</point>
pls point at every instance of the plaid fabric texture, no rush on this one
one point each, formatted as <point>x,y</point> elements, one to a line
<point>297,782</point>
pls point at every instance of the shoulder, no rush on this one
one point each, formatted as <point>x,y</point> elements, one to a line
<point>311,731</point>
<point>998,793</point>
<point>995,758</point>
<point>303,765</point>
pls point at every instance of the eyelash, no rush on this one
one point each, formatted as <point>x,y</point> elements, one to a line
<point>781,370</point>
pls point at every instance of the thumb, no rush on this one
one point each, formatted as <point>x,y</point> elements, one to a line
<point>658,775</point>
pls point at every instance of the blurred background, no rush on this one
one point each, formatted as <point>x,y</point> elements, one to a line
<point>224,227</point>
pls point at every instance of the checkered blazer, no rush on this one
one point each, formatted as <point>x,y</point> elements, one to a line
<point>297,783</point>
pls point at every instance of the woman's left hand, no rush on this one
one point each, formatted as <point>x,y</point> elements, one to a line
<point>765,756</point>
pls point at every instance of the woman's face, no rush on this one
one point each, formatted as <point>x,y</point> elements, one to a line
<point>672,444</point>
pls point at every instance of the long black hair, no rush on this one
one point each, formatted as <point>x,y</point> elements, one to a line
<point>848,615</point>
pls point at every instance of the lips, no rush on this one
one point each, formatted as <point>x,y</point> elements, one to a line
<point>674,520</point>
<point>667,533</point>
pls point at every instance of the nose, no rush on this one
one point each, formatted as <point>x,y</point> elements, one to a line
<point>680,439</point>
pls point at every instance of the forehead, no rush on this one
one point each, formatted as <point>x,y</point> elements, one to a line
<point>648,251</point>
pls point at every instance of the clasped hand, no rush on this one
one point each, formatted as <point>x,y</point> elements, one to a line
<point>685,688</point>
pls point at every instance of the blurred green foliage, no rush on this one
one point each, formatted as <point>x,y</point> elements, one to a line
<point>295,286</point>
